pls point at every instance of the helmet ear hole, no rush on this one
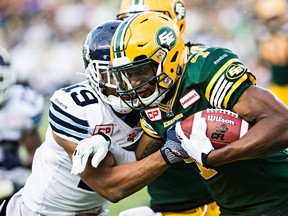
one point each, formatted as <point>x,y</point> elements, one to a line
<point>174,58</point>
<point>140,57</point>
<point>179,70</point>
<point>181,27</point>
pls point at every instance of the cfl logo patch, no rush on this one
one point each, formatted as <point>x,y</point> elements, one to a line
<point>105,128</point>
<point>154,114</point>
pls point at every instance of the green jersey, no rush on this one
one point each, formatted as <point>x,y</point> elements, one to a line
<point>215,77</point>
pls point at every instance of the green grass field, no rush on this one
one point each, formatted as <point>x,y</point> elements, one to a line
<point>138,199</point>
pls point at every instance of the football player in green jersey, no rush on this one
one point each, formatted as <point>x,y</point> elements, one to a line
<point>193,200</point>
<point>159,77</point>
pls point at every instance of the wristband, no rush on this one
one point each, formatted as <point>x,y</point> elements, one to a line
<point>106,137</point>
<point>204,160</point>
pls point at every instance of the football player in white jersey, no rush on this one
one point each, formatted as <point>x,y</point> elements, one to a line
<point>21,109</point>
<point>90,116</point>
<point>79,114</point>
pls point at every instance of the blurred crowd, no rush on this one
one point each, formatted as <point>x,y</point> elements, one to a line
<point>45,37</point>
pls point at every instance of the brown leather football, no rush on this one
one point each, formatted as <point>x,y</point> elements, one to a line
<point>223,126</point>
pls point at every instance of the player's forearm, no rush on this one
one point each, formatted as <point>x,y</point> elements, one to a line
<point>117,182</point>
<point>268,136</point>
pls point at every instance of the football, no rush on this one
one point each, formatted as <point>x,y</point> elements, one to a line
<point>223,126</point>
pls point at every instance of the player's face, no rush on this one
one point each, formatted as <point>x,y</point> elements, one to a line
<point>108,90</point>
<point>140,78</point>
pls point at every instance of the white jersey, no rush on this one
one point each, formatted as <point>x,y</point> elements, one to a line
<point>20,112</point>
<point>76,112</point>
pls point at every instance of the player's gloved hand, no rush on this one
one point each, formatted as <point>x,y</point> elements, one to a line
<point>198,146</point>
<point>172,151</point>
<point>96,146</point>
<point>121,155</point>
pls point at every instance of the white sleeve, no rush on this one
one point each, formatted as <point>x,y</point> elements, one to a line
<point>66,119</point>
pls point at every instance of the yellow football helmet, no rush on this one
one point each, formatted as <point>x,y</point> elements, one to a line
<point>175,9</point>
<point>268,9</point>
<point>145,42</point>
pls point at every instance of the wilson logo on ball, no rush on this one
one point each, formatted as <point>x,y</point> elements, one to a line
<point>220,119</point>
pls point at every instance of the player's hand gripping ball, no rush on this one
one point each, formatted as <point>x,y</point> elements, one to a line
<point>223,126</point>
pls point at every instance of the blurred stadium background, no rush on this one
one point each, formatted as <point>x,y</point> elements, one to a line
<point>45,37</point>
<point>45,40</point>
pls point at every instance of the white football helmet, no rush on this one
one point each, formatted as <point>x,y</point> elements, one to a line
<point>7,77</point>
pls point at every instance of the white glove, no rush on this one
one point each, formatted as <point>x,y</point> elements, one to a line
<point>198,145</point>
<point>96,146</point>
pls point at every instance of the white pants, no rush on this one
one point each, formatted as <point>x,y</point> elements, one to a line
<point>139,211</point>
<point>16,206</point>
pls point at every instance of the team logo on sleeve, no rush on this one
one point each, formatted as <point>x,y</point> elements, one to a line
<point>235,71</point>
<point>166,36</point>
<point>105,128</point>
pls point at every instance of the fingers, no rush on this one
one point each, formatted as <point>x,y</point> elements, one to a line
<point>201,127</point>
<point>179,132</point>
<point>184,147</point>
<point>99,156</point>
<point>75,164</point>
<point>79,160</point>
<point>96,146</point>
